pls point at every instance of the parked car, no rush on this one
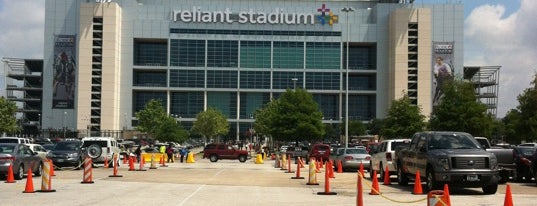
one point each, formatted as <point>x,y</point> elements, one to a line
<point>522,155</point>
<point>21,157</point>
<point>41,151</point>
<point>534,165</point>
<point>351,157</point>
<point>67,153</point>
<point>384,155</point>
<point>319,152</point>
<point>217,152</point>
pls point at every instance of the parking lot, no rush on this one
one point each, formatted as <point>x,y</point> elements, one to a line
<point>228,182</point>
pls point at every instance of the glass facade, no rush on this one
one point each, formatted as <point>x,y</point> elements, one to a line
<point>186,104</point>
<point>150,52</point>
<point>237,77</point>
<point>187,53</point>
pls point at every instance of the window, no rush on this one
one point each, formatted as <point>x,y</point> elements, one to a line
<point>150,52</point>
<point>187,53</point>
<point>288,55</point>
<point>222,53</point>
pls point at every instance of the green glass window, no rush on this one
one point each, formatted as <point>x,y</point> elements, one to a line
<point>252,101</point>
<point>255,54</point>
<point>186,104</point>
<point>150,52</point>
<point>187,53</point>
<point>149,78</point>
<point>323,80</point>
<point>361,57</point>
<point>140,99</point>
<point>187,78</point>
<point>225,102</point>
<point>221,79</point>
<point>284,80</point>
<point>288,55</point>
<point>328,105</point>
<point>255,80</point>
<point>323,55</point>
<point>222,53</point>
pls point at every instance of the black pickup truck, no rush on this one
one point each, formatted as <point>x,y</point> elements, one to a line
<point>453,158</point>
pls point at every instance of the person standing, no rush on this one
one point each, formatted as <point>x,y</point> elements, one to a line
<point>138,152</point>
<point>183,152</point>
<point>169,152</point>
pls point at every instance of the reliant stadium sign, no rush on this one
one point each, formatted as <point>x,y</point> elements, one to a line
<point>277,16</point>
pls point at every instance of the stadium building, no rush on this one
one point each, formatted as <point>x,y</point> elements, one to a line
<point>104,60</point>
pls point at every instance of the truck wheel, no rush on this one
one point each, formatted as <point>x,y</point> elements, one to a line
<point>381,173</point>
<point>213,158</point>
<point>19,174</point>
<point>402,179</point>
<point>490,189</point>
<point>242,158</point>
<point>39,170</point>
<point>431,182</point>
<point>535,177</point>
<point>371,170</point>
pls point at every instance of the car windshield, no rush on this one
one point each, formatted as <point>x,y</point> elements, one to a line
<point>66,146</point>
<point>528,151</point>
<point>6,149</point>
<point>451,141</point>
<point>356,151</point>
<point>8,140</point>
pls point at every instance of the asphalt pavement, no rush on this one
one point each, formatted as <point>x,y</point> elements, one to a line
<point>229,182</point>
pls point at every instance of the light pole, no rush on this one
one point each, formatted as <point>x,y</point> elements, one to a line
<point>347,10</point>
<point>64,127</point>
<point>39,124</point>
<point>294,83</point>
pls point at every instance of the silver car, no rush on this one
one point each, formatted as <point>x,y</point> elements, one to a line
<point>22,158</point>
<point>352,157</point>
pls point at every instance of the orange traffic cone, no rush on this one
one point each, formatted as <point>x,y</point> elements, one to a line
<point>10,177</point>
<point>375,188</point>
<point>51,168</point>
<point>330,167</point>
<point>387,180</point>
<point>131,164</point>
<point>339,166</point>
<point>105,162</point>
<point>445,198</point>
<point>360,195</point>
<point>29,183</point>
<point>327,181</point>
<point>508,199</point>
<point>362,169</point>
<point>417,184</point>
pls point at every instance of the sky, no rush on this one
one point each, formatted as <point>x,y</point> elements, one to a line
<point>496,33</point>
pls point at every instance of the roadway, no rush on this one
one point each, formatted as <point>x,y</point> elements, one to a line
<point>228,182</point>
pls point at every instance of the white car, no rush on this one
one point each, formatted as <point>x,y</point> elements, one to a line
<point>41,151</point>
<point>384,156</point>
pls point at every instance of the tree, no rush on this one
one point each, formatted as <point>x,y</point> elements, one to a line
<point>403,119</point>
<point>170,131</point>
<point>295,117</point>
<point>8,121</point>
<point>511,123</point>
<point>375,126</point>
<point>356,128</point>
<point>459,110</point>
<point>210,123</point>
<point>150,118</point>
<point>524,117</point>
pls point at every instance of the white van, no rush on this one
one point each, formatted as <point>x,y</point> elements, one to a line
<point>19,140</point>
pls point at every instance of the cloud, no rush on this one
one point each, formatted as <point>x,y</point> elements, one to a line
<point>22,23</point>
<point>492,39</point>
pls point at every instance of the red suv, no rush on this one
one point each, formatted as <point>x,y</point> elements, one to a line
<point>319,151</point>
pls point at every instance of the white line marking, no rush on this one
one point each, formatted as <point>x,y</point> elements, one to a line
<point>218,173</point>
<point>187,198</point>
